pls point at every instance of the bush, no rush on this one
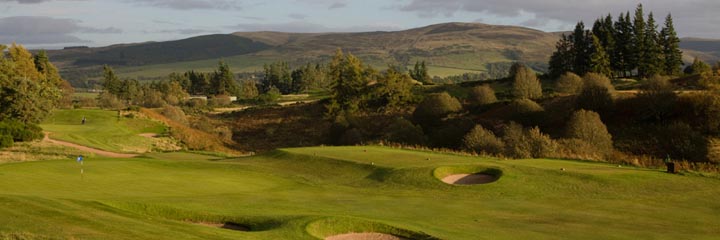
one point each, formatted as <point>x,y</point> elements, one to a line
<point>435,107</point>
<point>174,113</point>
<point>657,99</point>
<point>107,100</point>
<point>578,149</point>
<point>525,111</point>
<point>702,111</point>
<point>270,96</point>
<point>598,80</point>
<point>569,83</point>
<point>20,132</point>
<point>531,143</point>
<point>481,140</point>
<point>351,137</point>
<point>219,100</point>
<point>450,133</point>
<point>526,83</point>
<point>482,95</point>
<point>6,141</point>
<point>404,132</point>
<point>587,126</point>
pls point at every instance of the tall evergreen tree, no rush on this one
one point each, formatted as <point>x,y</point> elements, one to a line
<point>670,44</point>
<point>639,41</point>
<point>223,81</point>
<point>599,60</point>
<point>581,47</point>
<point>622,57</point>
<point>562,59</point>
<point>653,59</point>
<point>420,72</point>
<point>349,80</point>
<point>112,83</point>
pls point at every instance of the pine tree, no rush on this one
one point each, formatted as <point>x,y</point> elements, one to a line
<point>562,59</point>
<point>653,60</point>
<point>623,54</point>
<point>581,47</point>
<point>639,41</point>
<point>599,60</point>
<point>112,84</point>
<point>420,73</point>
<point>670,45</point>
<point>223,81</point>
<point>349,80</point>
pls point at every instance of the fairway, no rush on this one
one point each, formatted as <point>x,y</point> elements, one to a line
<point>103,130</point>
<point>311,193</point>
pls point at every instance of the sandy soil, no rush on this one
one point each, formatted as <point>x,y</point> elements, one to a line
<point>364,236</point>
<point>148,135</point>
<point>88,149</point>
<point>469,179</point>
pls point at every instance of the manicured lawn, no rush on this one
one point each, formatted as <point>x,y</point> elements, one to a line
<point>307,193</point>
<point>102,130</point>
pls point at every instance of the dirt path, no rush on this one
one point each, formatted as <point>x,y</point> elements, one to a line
<point>364,236</point>
<point>88,149</point>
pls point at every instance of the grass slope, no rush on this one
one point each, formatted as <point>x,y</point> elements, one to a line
<point>310,193</point>
<point>103,130</point>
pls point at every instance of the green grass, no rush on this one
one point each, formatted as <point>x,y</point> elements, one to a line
<point>310,193</point>
<point>102,130</point>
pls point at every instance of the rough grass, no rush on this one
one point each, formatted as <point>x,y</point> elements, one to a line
<point>102,130</point>
<point>305,193</point>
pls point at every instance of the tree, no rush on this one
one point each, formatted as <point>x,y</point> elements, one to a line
<point>248,90</point>
<point>596,94</point>
<point>658,99</point>
<point>605,32</point>
<point>698,67</point>
<point>670,44</point>
<point>562,59</point>
<point>481,140</point>
<point>223,81</point>
<point>582,46</point>
<point>393,90</point>
<point>569,83</point>
<point>526,83</point>
<point>420,73</point>
<point>279,75</point>
<point>622,59</point>
<point>403,131</point>
<point>587,126</point>
<point>639,40</point>
<point>350,79</point>
<point>112,83</point>
<point>482,95</point>
<point>599,60</point>
<point>435,107</point>
<point>653,59</point>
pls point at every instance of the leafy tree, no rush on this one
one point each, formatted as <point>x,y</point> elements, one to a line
<point>248,90</point>
<point>403,131</point>
<point>526,83</point>
<point>569,83</point>
<point>587,126</point>
<point>435,107</point>
<point>482,95</point>
<point>481,140</point>
<point>599,60</point>
<point>670,44</point>
<point>530,143</point>
<point>393,90</point>
<point>698,67</point>
<point>420,73</point>
<point>596,94</point>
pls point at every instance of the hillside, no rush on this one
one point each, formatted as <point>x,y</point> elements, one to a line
<point>707,50</point>
<point>450,48</point>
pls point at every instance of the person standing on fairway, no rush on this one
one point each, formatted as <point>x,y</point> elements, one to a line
<point>83,120</point>
<point>80,159</point>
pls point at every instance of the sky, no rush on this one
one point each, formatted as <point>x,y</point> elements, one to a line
<point>59,23</point>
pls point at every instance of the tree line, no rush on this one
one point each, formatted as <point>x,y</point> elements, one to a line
<point>620,48</point>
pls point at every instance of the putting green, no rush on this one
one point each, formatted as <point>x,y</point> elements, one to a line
<point>311,193</point>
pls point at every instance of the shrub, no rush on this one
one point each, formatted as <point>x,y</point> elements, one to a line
<point>351,137</point>
<point>20,132</point>
<point>152,99</point>
<point>569,83</point>
<point>530,143</point>
<point>657,99</point>
<point>403,131</point>
<point>595,98</point>
<point>436,107</point>
<point>587,126</point>
<point>271,96</point>
<point>578,149</point>
<point>174,113</point>
<point>107,100</point>
<point>525,111</point>
<point>6,141</point>
<point>450,133</point>
<point>525,83</point>
<point>481,140</point>
<point>597,80</point>
<point>482,95</point>
<point>680,141</point>
<point>702,111</point>
<point>219,100</point>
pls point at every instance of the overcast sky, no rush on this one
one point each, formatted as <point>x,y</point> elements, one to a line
<point>58,23</point>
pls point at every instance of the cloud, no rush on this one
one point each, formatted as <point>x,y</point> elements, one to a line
<point>25,1</point>
<point>297,16</point>
<point>308,27</point>
<point>191,4</point>
<point>337,5</point>
<point>45,30</point>
<point>697,16</point>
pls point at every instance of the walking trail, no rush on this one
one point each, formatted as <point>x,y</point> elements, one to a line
<point>88,149</point>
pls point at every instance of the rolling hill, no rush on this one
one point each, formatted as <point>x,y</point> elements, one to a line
<point>448,48</point>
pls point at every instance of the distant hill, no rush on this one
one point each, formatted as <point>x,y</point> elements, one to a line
<point>448,49</point>
<point>707,50</point>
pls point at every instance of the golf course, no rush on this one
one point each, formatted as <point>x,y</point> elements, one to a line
<point>321,192</point>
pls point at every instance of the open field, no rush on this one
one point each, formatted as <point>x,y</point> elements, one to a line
<point>309,193</point>
<point>103,130</point>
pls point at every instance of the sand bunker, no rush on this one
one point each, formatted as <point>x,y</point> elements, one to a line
<point>365,236</point>
<point>227,225</point>
<point>469,179</point>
